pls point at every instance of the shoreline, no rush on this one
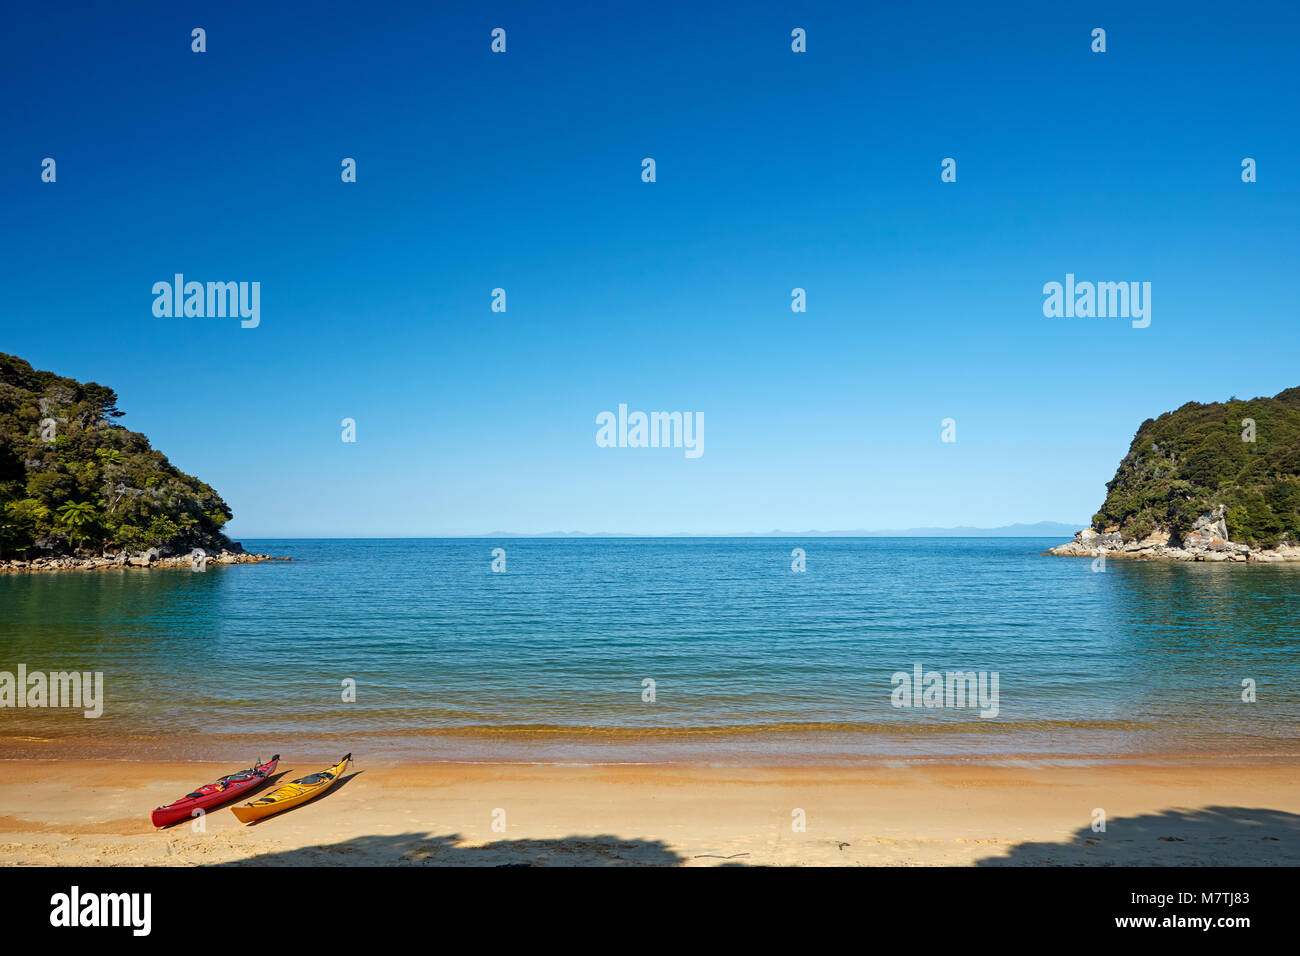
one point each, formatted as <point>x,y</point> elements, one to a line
<point>95,812</point>
<point>435,749</point>
<point>1010,761</point>
<point>1160,546</point>
<point>129,562</point>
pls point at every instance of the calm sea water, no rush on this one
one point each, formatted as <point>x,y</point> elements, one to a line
<point>750,661</point>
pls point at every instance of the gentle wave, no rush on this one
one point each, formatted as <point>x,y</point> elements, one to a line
<point>749,730</point>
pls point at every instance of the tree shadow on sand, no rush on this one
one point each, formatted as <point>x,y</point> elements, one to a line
<point>1210,836</point>
<point>420,849</point>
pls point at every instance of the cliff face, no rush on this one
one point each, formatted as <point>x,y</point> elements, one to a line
<point>73,482</point>
<point>1206,482</point>
<point>1207,541</point>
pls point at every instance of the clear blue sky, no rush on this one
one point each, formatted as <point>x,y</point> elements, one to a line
<point>775,170</point>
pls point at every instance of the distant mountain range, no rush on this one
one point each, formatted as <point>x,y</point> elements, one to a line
<point>1040,529</point>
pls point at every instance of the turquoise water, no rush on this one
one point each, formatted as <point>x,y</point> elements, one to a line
<point>750,660</point>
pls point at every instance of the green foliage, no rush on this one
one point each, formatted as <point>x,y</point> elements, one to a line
<point>78,518</point>
<point>1186,462</point>
<point>96,485</point>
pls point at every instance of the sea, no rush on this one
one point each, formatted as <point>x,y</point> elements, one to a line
<point>660,650</point>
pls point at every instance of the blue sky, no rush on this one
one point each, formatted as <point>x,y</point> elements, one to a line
<point>775,170</point>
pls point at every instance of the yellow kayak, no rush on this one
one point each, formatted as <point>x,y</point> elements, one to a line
<point>291,794</point>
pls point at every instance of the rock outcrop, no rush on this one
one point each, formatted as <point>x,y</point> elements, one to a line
<point>1206,541</point>
<point>141,559</point>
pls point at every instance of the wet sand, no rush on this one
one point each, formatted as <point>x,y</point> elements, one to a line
<point>1192,812</point>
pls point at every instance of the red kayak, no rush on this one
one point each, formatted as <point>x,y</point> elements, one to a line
<point>214,794</point>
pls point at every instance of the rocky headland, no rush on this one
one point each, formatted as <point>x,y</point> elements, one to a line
<point>1206,482</point>
<point>78,491</point>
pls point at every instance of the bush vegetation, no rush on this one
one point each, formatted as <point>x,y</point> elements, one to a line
<point>73,481</point>
<point>1186,462</point>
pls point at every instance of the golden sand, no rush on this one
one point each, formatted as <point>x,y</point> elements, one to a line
<point>96,812</point>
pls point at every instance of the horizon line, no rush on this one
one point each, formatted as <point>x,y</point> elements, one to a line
<point>1045,529</point>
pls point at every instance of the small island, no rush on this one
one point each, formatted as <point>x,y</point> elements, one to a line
<point>1216,482</point>
<point>79,491</point>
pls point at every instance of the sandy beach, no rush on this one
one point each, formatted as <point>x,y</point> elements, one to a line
<point>1193,812</point>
